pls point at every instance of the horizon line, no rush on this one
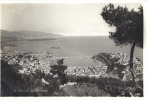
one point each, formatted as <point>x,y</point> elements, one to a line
<point>61,33</point>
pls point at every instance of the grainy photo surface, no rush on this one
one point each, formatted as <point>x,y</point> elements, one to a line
<point>72,49</point>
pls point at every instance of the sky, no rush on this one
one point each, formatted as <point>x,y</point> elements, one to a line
<point>73,19</point>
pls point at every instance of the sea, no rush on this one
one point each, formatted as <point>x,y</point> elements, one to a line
<point>79,49</point>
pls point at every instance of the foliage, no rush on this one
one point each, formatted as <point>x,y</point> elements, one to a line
<point>129,24</point>
<point>60,71</point>
<point>129,28</point>
<point>15,84</point>
<point>85,89</point>
<point>112,86</point>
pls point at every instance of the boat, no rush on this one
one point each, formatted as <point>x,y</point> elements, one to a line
<point>55,47</point>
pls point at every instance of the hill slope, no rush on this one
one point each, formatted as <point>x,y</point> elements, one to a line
<point>25,34</point>
<point>36,34</point>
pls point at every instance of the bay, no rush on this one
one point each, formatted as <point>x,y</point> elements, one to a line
<point>75,47</point>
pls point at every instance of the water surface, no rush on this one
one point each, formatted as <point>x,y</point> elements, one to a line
<point>75,47</point>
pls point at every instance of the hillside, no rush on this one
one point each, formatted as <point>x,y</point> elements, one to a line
<point>7,36</point>
<point>36,34</point>
<point>25,34</point>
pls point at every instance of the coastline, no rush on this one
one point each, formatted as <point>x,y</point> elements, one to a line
<point>48,60</point>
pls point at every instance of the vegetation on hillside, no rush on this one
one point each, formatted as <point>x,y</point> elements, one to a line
<point>15,84</point>
<point>110,85</point>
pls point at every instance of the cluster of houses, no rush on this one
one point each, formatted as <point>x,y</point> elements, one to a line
<point>91,71</point>
<point>120,67</point>
<point>28,62</point>
<point>124,61</point>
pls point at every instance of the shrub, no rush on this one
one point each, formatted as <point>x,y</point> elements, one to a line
<point>113,86</point>
<point>15,84</point>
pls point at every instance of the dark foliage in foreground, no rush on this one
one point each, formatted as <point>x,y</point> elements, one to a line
<point>15,84</point>
<point>85,89</point>
<point>59,70</point>
<point>112,86</point>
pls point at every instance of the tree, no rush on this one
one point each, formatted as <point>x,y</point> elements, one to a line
<point>60,71</point>
<point>129,28</point>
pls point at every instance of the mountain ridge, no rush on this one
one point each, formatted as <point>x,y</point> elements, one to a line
<point>25,34</point>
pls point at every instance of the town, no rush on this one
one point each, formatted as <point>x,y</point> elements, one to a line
<point>29,62</point>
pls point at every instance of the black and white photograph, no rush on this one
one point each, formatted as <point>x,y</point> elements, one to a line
<point>72,49</point>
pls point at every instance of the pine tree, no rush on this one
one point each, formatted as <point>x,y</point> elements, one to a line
<point>129,27</point>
